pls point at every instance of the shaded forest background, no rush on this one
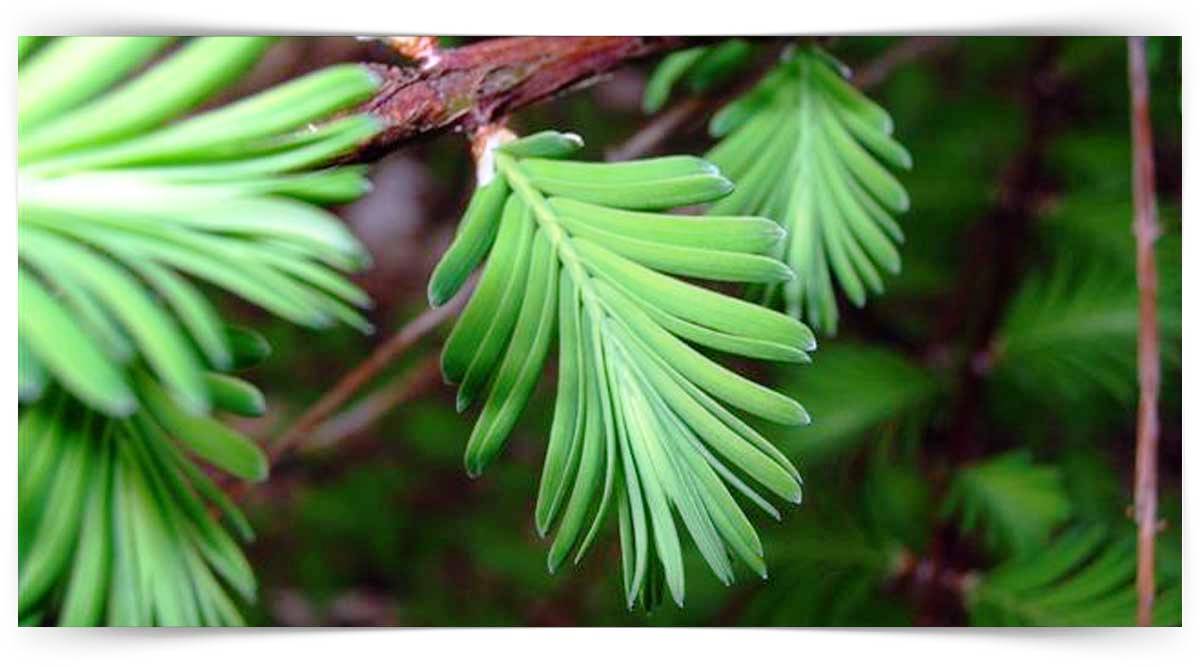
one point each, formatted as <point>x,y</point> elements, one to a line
<point>979,412</point>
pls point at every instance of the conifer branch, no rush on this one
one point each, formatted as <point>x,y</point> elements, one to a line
<point>1145,230</point>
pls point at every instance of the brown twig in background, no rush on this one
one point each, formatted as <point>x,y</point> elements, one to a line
<point>660,128</point>
<point>425,376</point>
<point>906,51</point>
<point>360,375</point>
<point>480,83</point>
<point>1145,230</point>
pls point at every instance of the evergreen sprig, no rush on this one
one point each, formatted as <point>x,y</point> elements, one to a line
<point>1013,501</point>
<point>808,149</point>
<point>1071,332</point>
<point>640,419</point>
<point>1086,577</point>
<point>124,201</point>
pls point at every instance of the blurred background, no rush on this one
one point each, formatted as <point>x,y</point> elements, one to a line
<point>978,414</point>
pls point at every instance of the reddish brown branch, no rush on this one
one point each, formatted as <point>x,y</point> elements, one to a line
<point>1145,230</point>
<point>477,84</point>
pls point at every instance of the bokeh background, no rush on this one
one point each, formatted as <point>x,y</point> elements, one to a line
<point>1002,355</point>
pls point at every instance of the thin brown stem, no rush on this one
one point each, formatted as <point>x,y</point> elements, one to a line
<point>1145,230</point>
<point>351,382</point>
<point>877,71</point>
<point>660,128</point>
<point>423,377</point>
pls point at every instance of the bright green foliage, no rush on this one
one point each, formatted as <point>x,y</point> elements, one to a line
<point>114,527</point>
<point>808,149</point>
<point>1015,502</point>
<point>1084,578</point>
<point>123,200</point>
<point>703,68</point>
<point>640,421</point>
<point>115,208</point>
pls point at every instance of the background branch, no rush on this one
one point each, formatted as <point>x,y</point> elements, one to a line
<point>1145,230</point>
<point>351,382</point>
<point>877,71</point>
<point>425,376</point>
<point>658,130</point>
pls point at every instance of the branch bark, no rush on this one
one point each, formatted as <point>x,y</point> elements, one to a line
<point>478,84</point>
<point>1145,230</point>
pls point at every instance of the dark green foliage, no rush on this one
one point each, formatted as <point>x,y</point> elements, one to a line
<point>1071,335</point>
<point>1012,502</point>
<point>898,502</point>
<point>1085,577</point>
<point>885,386</point>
